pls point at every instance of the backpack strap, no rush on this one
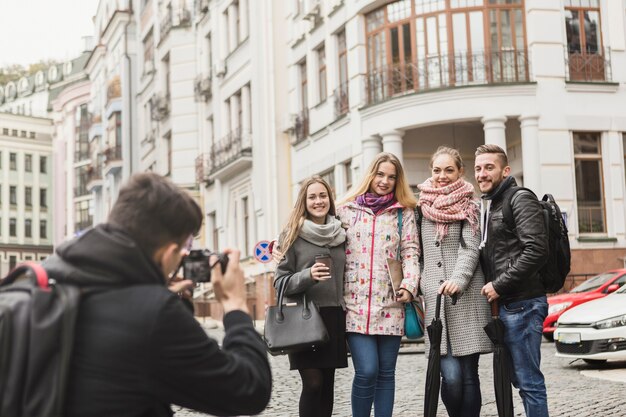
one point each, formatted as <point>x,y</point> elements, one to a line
<point>39,275</point>
<point>507,204</point>
<point>418,222</point>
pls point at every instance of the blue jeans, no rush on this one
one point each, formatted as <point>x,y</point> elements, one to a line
<point>374,358</point>
<point>460,385</point>
<point>524,326</point>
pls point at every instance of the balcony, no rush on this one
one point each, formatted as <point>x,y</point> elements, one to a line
<point>112,159</point>
<point>301,127</point>
<point>114,88</point>
<point>341,98</point>
<point>587,66</point>
<point>94,177</point>
<point>447,71</point>
<point>202,88</point>
<point>232,154</point>
<point>159,107</point>
<point>171,19</point>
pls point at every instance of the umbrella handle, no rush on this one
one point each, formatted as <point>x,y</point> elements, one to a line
<point>495,308</point>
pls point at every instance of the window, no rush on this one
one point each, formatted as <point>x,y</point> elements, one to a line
<point>13,194</point>
<point>43,229</point>
<point>43,197</point>
<point>329,177</point>
<point>13,161</point>
<point>23,133</point>
<point>212,225</point>
<point>83,122</point>
<point>341,93</point>
<point>28,229</point>
<point>321,71</point>
<point>43,164</point>
<point>33,135</point>
<point>5,131</point>
<point>584,41</point>
<point>12,261</point>
<point>413,46</point>
<point>14,132</point>
<point>28,196</point>
<point>168,147</point>
<point>348,168</point>
<point>28,163</point>
<point>589,183</point>
<point>148,51</point>
<point>12,227</point>
<point>82,215</point>
<point>81,178</point>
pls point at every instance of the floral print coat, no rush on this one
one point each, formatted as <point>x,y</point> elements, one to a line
<point>371,239</point>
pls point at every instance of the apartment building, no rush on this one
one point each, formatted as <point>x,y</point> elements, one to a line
<point>25,189</point>
<point>544,79</point>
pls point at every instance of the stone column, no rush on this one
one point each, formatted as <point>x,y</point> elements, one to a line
<point>371,146</point>
<point>495,130</point>
<point>531,164</point>
<point>392,143</point>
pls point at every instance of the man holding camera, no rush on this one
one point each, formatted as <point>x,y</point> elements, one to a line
<point>137,348</point>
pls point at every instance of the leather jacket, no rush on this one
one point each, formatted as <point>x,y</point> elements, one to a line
<point>511,259</point>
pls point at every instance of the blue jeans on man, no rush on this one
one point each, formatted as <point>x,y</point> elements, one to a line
<point>374,358</point>
<point>523,321</point>
<point>460,384</point>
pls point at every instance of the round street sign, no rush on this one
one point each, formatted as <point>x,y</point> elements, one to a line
<point>262,252</point>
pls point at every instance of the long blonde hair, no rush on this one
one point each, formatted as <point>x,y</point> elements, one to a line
<point>299,214</point>
<point>402,191</point>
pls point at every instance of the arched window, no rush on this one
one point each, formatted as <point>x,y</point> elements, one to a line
<point>415,45</point>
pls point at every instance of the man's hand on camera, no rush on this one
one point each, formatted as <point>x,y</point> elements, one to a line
<point>182,287</point>
<point>230,288</point>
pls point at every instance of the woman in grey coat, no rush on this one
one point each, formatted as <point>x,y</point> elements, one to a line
<point>312,231</point>
<point>450,239</point>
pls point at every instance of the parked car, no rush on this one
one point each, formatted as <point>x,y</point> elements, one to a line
<point>594,288</point>
<point>594,331</point>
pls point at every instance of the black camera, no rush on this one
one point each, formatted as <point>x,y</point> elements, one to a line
<point>197,265</point>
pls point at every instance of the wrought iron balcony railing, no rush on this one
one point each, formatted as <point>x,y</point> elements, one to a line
<point>227,150</point>
<point>588,66</point>
<point>112,153</point>
<point>342,102</point>
<point>301,127</point>
<point>443,71</point>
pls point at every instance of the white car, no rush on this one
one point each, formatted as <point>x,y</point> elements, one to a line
<point>594,331</point>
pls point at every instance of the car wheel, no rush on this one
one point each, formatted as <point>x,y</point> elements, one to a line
<point>549,337</point>
<point>595,361</point>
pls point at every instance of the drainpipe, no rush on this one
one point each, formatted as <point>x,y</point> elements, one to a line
<point>130,89</point>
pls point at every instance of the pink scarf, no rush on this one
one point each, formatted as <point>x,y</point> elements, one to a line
<point>449,204</point>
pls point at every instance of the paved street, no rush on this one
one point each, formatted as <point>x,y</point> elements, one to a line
<point>569,392</point>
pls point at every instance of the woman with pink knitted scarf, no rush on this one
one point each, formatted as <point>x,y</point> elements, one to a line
<point>449,227</point>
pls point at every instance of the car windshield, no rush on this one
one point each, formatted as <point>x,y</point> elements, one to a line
<point>621,290</point>
<point>594,283</point>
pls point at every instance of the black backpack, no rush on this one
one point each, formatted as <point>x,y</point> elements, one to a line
<point>37,318</point>
<point>557,266</point>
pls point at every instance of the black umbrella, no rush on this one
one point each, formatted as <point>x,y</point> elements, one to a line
<point>501,364</point>
<point>433,374</point>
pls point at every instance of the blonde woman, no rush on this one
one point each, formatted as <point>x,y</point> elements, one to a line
<point>374,314</point>
<point>313,230</point>
<point>449,230</point>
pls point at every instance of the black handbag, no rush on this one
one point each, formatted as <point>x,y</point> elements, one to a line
<point>293,327</point>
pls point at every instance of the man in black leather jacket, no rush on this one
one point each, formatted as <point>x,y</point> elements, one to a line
<point>138,349</point>
<point>511,260</point>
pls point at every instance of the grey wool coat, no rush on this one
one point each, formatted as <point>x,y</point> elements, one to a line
<point>462,323</point>
<point>297,263</point>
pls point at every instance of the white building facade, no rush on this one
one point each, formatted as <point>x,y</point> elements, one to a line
<point>25,189</point>
<point>544,79</point>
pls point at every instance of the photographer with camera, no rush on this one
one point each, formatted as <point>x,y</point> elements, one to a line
<point>137,348</point>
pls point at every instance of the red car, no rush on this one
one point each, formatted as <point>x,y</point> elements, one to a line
<point>596,287</point>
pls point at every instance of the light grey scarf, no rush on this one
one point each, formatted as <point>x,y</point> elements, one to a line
<point>329,234</point>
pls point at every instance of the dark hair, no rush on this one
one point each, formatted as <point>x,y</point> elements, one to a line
<point>154,212</point>
<point>446,150</point>
<point>490,148</point>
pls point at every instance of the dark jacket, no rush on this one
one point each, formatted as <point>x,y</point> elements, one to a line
<point>138,349</point>
<point>511,259</point>
<point>297,264</point>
